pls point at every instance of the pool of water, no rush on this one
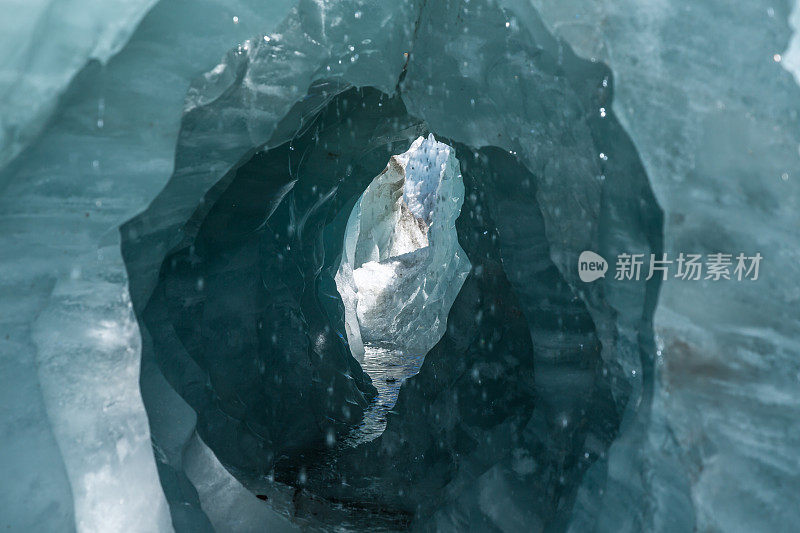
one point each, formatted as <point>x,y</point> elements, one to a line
<point>388,368</point>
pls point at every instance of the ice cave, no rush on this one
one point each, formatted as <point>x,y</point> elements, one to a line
<point>289,265</point>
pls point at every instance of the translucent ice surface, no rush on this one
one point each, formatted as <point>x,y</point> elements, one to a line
<point>45,44</point>
<point>424,164</point>
<point>76,441</point>
<point>713,116</point>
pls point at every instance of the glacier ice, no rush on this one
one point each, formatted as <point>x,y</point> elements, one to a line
<point>45,44</point>
<point>713,115</point>
<point>75,431</point>
<point>402,266</point>
<point>218,333</point>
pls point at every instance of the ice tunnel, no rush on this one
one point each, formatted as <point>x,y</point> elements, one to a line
<point>310,249</point>
<point>286,258</point>
<point>305,265</point>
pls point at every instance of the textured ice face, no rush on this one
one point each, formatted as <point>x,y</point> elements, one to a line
<point>45,45</point>
<point>403,267</point>
<point>76,440</point>
<point>424,163</point>
<point>714,117</point>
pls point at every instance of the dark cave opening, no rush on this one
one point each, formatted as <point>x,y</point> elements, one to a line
<point>248,327</point>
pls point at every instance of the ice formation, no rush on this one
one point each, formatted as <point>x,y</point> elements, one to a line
<point>402,266</point>
<point>45,44</point>
<point>191,368</point>
<point>75,434</point>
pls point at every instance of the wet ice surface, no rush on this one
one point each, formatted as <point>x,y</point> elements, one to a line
<point>388,368</point>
